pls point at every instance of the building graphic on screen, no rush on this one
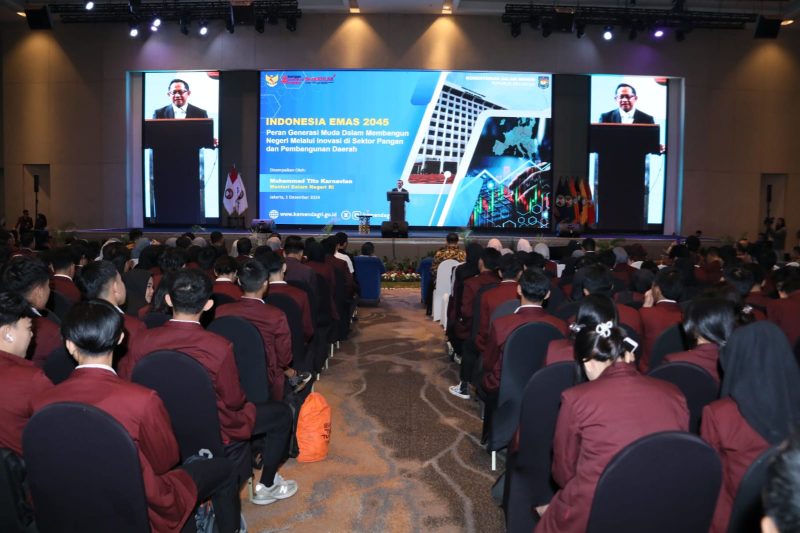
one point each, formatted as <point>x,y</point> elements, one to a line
<point>451,124</point>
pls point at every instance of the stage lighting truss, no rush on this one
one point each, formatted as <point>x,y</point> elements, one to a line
<point>632,19</point>
<point>122,11</point>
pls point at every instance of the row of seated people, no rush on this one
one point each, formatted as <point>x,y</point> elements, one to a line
<point>528,290</point>
<point>187,294</point>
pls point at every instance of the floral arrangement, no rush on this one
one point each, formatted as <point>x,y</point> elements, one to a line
<point>398,275</point>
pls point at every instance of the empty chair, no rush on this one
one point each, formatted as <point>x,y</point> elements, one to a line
<point>671,340</point>
<point>662,483</point>
<point>95,460</point>
<point>529,481</point>
<point>59,365</point>
<point>424,271</point>
<point>248,349</point>
<point>747,507</point>
<point>368,270</point>
<point>442,273</point>
<point>523,355</point>
<point>696,384</point>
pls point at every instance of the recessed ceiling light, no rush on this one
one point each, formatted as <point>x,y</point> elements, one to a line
<point>787,22</point>
<point>21,14</point>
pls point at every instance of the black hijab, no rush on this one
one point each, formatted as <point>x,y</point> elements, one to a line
<point>761,375</point>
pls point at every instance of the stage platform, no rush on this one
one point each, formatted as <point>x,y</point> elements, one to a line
<point>420,242</point>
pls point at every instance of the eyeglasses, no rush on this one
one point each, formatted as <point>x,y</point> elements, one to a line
<point>626,97</point>
<point>177,93</point>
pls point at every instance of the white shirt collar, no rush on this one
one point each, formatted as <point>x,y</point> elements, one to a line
<point>667,300</point>
<point>252,298</point>
<point>527,305</point>
<point>95,365</point>
<point>224,279</point>
<point>626,118</point>
<point>36,311</point>
<point>62,276</point>
<point>179,112</point>
<point>185,321</point>
<point>278,283</point>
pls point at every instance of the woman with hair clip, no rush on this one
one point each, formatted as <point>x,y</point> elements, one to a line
<point>759,406</point>
<point>708,322</point>
<point>598,419</point>
<point>594,309</point>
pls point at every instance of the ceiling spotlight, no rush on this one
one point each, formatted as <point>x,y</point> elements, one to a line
<point>658,33</point>
<point>157,22</point>
<point>608,33</point>
<point>89,6</point>
<point>260,24</point>
<point>203,28</point>
<point>787,22</point>
<point>547,28</point>
<point>134,31</point>
<point>229,24</point>
<point>516,29</point>
<point>291,23</point>
<point>580,28</point>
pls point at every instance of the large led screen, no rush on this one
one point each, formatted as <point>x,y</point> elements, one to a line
<point>472,148</point>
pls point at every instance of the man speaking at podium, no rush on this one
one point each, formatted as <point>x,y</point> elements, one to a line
<point>180,107</point>
<point>627,112</point>
<point>400,188</point>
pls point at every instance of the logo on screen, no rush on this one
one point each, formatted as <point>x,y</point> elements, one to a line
<point>272,79</point>
<point>345,215</point>
<point>292,79</point>
<point>273,214</point>
<point>544,82</point>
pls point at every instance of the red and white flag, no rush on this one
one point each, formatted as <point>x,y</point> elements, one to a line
<point>235,198</point>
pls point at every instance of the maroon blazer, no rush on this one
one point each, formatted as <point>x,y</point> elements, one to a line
<point>559,350</point>
<point>471,287</point>
<point>20,382</point>
<point>623,271</point>
<point>298,271</point>
<point>737,444</point>
<point>500,330</point>
<point>655,320</point>
<point>65,286</point>
<point>785,313</point>
<point>46,338</point>
<point>490,301</point>
<point>326,271</point>
<point>227,287</point>
<point>236,415</point>
<point>342,267</point>
<point>242,259</point>
<point>301,299</point>
<point>705,356</point>
<point>171,494</point>
<point>133,328</point>
<point>596,420</point>
<point>709,274</point>
<point>271,323</point>
<point>759,300</point>
<point>630,317</point>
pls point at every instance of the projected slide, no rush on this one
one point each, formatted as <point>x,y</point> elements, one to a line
<point>473,148</point>
<point>193,99</point>
<point>628,161</point>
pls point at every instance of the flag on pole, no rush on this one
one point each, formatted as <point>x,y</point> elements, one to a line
<point>235,198</point>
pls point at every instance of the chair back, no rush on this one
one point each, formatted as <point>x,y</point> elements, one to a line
<point>155,319</point>
<point>566,310</point>
<point>424,271</point>
<point>188,395</point>
<point>368,273</point>
<point>83,471</point>
<point>59,365</point>
<point>697,386</point>
<point>660,483</point>
<point>249,351</point>
<point>523,355</point>
<point>506,308</point>
<point>16,514</point>
<point>529,480</point>
<point>136,285</point>
<point>557,298</point>
<point>747,507</point>
<point>61,304</point>
<point>443,286</point>
<point>312,297</point>
<point>671,340</point>
<point>324,316</point>
<point>294,316</point>
<point>476,308</point>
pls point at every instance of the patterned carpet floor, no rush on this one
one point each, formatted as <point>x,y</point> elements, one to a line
<point>404,453</point>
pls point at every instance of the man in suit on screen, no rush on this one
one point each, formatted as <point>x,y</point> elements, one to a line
<point>180,107</point>
<point>626,113</point>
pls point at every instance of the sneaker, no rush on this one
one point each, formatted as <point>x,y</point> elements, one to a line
<point>460,390</point>
<point>299,381</point>
<point>280,490</point>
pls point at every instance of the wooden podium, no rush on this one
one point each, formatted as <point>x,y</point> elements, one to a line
<point>620,193</point>
<point>397,225</point>
<point>178,187</point>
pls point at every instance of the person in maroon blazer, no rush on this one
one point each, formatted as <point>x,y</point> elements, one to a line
<point>226,270</point>
<point>276,267</point>
<point>329,245</point>
<point>101,280</point>
<point>30,278</point>
<point>63,264</point>
<point>244,247</point>
<point>785,312</point>
<point>534,288</point>
<point>510,269</point>
<point>598,419</point>
<point>92,329</point>
<point>20,381</point>
<point>759,406</point>
<point>316,262</point>
<point>660,310</point>
<point>189,296</point>
<point>708,324</point>
<point>296,270</point>
<point>270,322</point>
